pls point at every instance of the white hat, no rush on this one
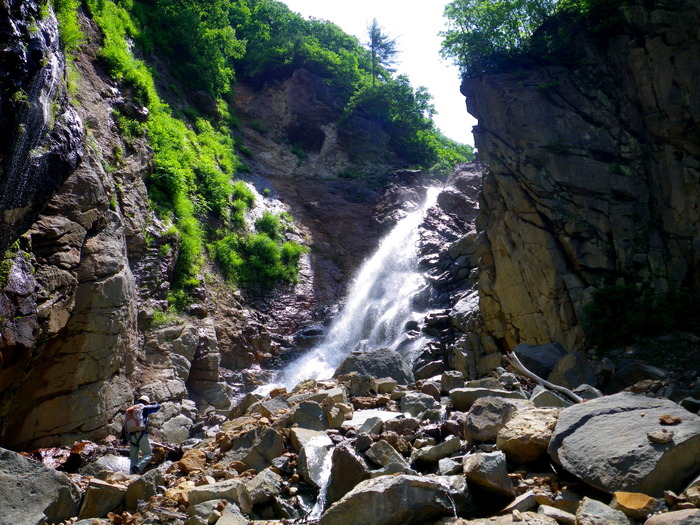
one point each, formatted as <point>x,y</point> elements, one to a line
<point>145,399</point>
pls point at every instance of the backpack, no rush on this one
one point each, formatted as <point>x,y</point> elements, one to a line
<point>134,419</point>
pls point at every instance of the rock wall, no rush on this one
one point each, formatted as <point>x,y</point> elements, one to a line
<point>593,171</point>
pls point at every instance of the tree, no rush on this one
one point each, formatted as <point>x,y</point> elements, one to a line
<point>482,32</point>
<point>383,49</point>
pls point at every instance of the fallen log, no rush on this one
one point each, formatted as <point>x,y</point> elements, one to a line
<point>515,363</point>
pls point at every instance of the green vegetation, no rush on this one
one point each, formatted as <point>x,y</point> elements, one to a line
<point>622,314</point>
<point>195,165</point>
<point>496,35</point>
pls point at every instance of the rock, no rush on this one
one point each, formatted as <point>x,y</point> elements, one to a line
<point>526,435</point>
<point>435,453</point>
<point>635,505</point>
<point>449,466</point>
<point>678,517</point>
<point>143,488</point>
<point>389,500</point>
<point>572,370</point>
<point>231,489</point>
<point>383,454</point>
<point>347,470</point>
<point>176,430</point>
<point>692,493</point>
<point>540,359</point>
<point>106,463</point>
<point>402,426</point>
<point>100,498</point>
<point>192,460</point>
<point>264,487</point>
<point>463,398</point>
<point>384,385</point>
<point>522,503</point>
<point>255,448</point>
<point>231,515</point>
<point>543,398</point>
<point>488,415</point>
<point>632,373</point>
<point>416,403</point>
<point>490,472</point>
<point>33,493</point>
<point>382,362</point>
<point>626,460</point>
<point>450,380</point>
<point>593,512</point>
<point>360,416</point>
<point>561,516</point>
<point>373,425</point>
<point>314,453</point>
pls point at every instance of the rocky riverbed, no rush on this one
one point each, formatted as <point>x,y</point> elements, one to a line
<point>361,448</point>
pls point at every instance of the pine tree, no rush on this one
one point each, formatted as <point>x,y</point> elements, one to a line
<point>383,49</point>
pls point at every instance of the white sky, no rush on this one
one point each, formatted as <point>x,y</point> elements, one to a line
<point>415,25</point>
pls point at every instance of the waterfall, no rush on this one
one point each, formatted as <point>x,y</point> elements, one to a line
<point>379,304</point>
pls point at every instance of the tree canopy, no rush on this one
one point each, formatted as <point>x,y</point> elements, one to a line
<point>382,48</point>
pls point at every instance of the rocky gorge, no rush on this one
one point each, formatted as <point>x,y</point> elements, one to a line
<point>512,252</point>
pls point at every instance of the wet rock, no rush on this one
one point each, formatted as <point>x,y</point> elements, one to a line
<point>347,470</point>
<point>625,460</point>
<point>314,447</point>
<point>382,362</point>
<point>593,512</point>
<point>405,499</point>
<point>490,472</point>
<point>106,463</point>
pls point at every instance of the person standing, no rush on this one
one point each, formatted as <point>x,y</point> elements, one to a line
<point>136,428</point>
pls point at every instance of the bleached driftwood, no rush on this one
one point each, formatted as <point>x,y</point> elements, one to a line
<point>515,363</point>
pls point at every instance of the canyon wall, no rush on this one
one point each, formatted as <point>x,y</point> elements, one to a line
<point>593,172</point>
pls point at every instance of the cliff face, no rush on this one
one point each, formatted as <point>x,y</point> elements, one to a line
<point>593,175</point>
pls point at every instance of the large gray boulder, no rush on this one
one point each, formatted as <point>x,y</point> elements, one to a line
<point>392,500</point>
<point>540,359</point>
<point>33,494</point>
<point>607,442</point>
<point>383,362</point>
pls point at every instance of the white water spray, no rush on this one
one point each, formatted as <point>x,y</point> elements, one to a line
<point>379,304</point>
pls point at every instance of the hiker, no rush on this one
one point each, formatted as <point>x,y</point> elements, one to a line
<point>135,426</point>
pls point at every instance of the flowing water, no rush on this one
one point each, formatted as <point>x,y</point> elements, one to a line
<point>380,303</point>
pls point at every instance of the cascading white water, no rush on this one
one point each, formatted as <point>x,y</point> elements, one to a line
<point>378,306</point>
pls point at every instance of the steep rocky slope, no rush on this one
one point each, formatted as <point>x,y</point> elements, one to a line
<point>593,175</point>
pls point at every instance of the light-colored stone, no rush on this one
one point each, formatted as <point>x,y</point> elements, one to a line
<point>526,435</point>
<point>489,471</point>
<point>100,498</point>
<point>463,398</point>
<point>231,489</point>
<point>679,517</point>
<point>594,512</point>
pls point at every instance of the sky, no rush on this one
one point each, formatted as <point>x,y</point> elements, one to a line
<point>415,25</point>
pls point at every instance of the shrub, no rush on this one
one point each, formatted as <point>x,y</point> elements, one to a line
<point>269,224</point>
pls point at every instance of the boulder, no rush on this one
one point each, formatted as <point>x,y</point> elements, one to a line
<point>315,450</point>
<point>416,403</point>
<point>192,460</point>
<point>463,398</point>
<point>106,463</point>
<point>543,398</point>
<point>34,494</point>
<point>307,414</point>
<point>437,452</point>
<point>488,415</point>
<point>100,498</point>
<point>143,488</point>
<point>626,459</point>
<point>573,370</point>
<point>678,517</point>
<point>383,362</point>
<point>450,380</point>
<point>594,512</point>
<point>632,373</point>
<point>347,470</point>
<point>383,454</point>
<point>526,435</point>
<point>540,359</point>
<point>264,487</point>
<point>383,385</point>
<point>255,448</point>
<point>230,489</point>
<point>635,505</point>
<point>561,516</point>
<point>489,471</point>
<point>392,500</point>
